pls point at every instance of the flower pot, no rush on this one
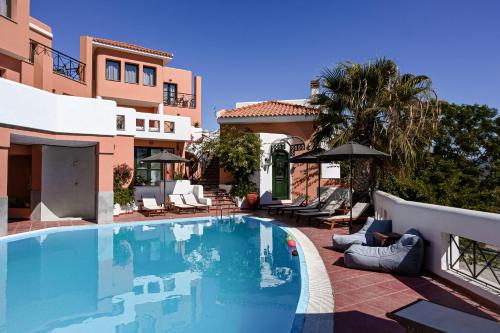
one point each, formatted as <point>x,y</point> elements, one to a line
<point>252,200</point>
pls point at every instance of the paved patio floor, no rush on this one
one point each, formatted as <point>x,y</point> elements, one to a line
<point>362,298</point>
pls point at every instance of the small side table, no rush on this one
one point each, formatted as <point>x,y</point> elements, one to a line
<point>386,239</point>
<point>342,211</point>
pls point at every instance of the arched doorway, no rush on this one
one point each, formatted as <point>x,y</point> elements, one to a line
<point>280,175</point>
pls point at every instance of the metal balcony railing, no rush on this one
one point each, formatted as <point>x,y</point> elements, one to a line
<point>180,100</point>
<point>476,260</point>
<point>62,64</point>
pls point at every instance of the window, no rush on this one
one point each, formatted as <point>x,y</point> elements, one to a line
<point>169,127</point>
<point>149,78</point>
<point>170,93</point>
<point>6,8</point>
<point>131,73</point>
<point>139,124</point>
<point>154,125</point>
<point>120,122</point>
<point>112,70</point>
<point>148,173</point>
<point>2,72</point>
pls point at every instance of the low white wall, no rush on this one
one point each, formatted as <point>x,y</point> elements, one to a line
<point>25,106</point>
<point>182,130</point>
<point>176,187</point>
<point>148,192</point>
<point>436,223</point>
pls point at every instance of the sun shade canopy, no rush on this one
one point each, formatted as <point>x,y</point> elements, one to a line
<point>307,157</point>
<point>165,157</point>
<point>350,150</point>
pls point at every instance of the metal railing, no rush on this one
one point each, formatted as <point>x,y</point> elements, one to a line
<point>476,260</point>
<point>180,101</point>
<point>62,64</point>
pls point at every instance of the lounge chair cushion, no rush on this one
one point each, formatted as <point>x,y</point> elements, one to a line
<point>404,257</point>
<point>364,235</point>
<point>190,199</point>
<point>176,200</point>
<point>150,204</point>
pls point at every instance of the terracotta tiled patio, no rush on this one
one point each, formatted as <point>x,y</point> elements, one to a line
<point>362,298</point>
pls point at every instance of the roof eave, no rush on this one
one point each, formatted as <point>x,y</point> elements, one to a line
<point>266,119</point>
<point>165,59</point>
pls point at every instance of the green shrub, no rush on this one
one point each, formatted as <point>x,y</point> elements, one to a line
<point>239,153</point>
<point>123,189</point>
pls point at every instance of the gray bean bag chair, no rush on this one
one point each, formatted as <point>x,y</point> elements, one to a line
<point>404,257</point>
<point>363,236</point>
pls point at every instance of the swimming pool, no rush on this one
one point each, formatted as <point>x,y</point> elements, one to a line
<point>205,275</point>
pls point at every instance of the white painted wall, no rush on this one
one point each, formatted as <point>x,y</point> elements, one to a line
<point>25,106</point>
<point>182,126</point>
<point>28,107</point>
<point>264,177</point>
<point>68,183</point>
<point>436,223</point>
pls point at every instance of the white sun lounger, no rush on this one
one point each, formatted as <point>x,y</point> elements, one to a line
<point>176,203</point>
<point>151,207</point>
<point>190,199</point>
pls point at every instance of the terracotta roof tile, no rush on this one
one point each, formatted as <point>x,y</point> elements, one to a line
<point>269,109</point>
<point>132,47</point>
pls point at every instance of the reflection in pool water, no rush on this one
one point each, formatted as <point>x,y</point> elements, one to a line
<point>202,276</point>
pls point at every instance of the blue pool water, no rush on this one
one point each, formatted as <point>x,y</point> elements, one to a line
<point>192,276</point>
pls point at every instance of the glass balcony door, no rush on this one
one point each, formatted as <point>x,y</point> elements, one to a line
<point>170,93</point>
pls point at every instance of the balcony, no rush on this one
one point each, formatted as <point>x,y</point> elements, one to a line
<point>181,101</point>
<point>62,64</point>
<point>152,126</point>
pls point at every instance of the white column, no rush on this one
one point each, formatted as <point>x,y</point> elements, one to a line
<point>160,108</point>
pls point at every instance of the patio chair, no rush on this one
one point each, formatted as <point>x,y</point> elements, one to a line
<point>426,316</point>
<point>150,207</point>
<point>357,216</point>
<point>363,236</point>
<point>191,200</point>
<point>298,202</point>
<point>325,193</point>
<point>176,203</point>
<point>335,201</point>
<point>405,257</point>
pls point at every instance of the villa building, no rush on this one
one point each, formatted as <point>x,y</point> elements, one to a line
<point>65,122</point>
<point>285,128</point>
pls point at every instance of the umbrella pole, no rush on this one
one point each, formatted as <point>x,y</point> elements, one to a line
<point>350,193</point>
<point>163,176</point>
<point>319,184</point>
<point>307,183</point>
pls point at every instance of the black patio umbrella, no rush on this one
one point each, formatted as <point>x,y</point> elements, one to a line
<point>349,151</point>
<point>165,157</point>
<point>309,157</point>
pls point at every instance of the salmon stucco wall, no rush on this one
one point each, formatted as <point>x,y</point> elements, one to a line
<point>298,172</point>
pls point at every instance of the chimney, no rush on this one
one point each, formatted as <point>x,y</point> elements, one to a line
<point>314,87</point>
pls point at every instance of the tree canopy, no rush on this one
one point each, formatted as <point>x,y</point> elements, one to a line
<point>461,168</point>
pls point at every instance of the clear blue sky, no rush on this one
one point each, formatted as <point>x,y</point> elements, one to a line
<point>264,49</point>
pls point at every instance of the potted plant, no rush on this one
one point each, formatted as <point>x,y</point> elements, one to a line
<point>123,190</point>
<point>247,190</point>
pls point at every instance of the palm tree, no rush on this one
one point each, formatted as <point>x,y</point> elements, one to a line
<point>375,105</point>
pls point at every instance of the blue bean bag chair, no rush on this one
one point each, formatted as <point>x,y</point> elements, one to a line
<point>363,236</point>
<point>405,257</point>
